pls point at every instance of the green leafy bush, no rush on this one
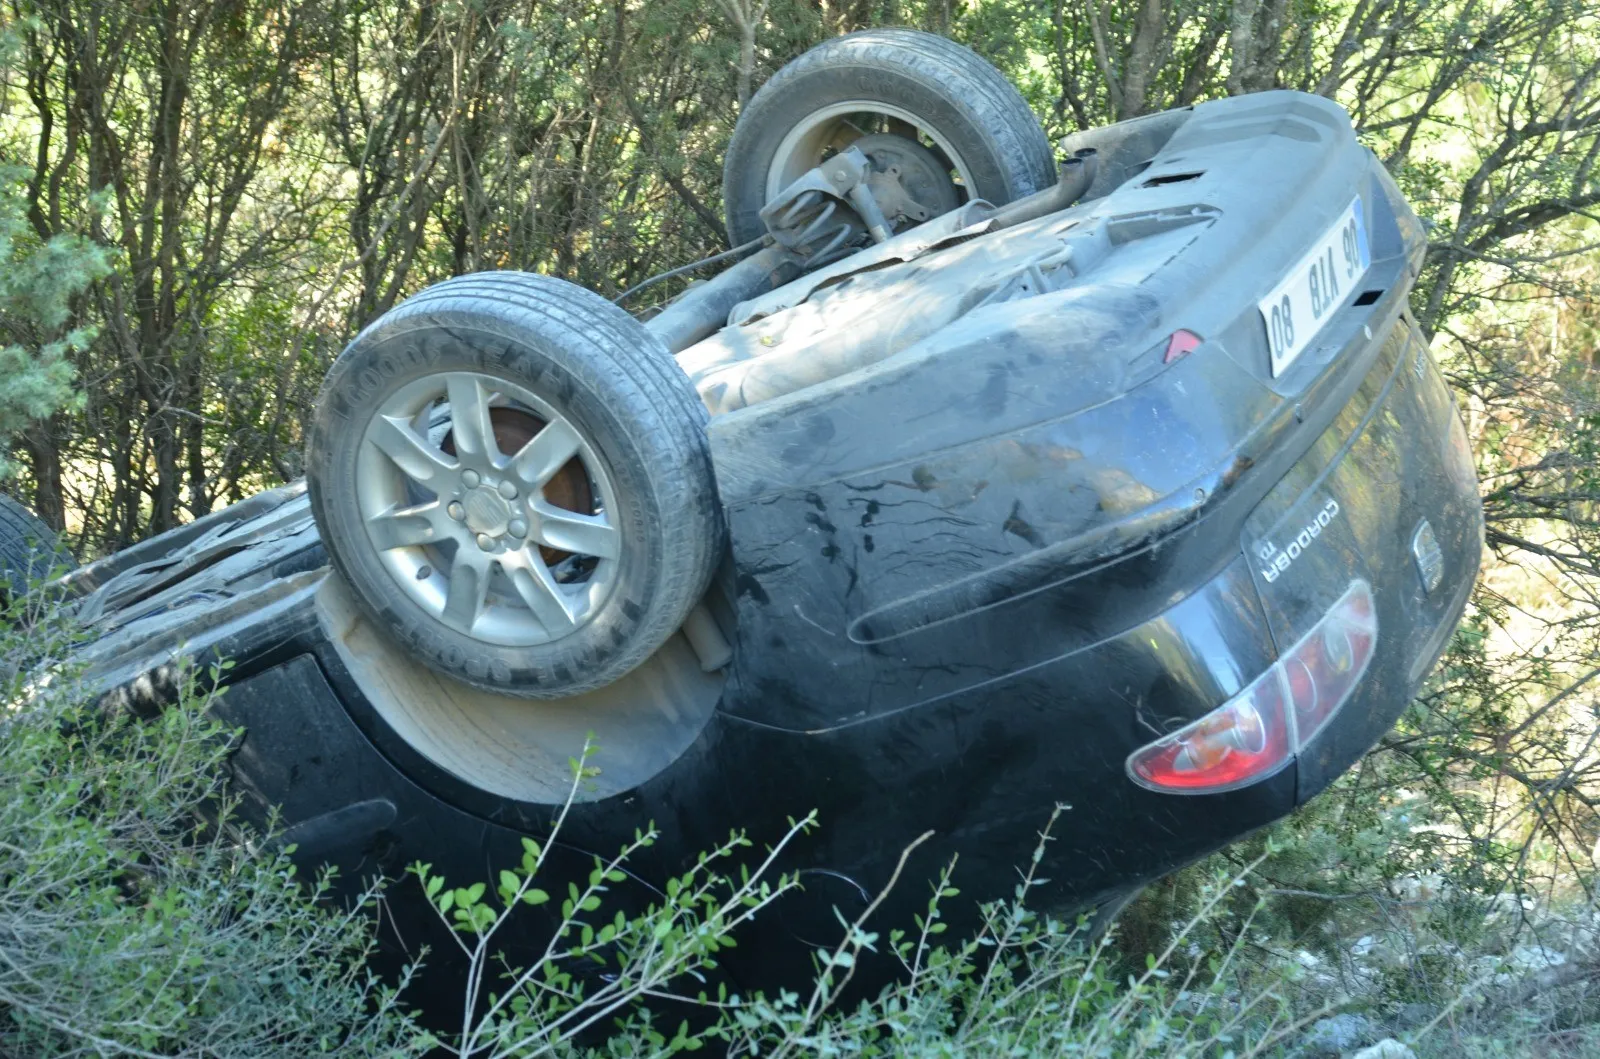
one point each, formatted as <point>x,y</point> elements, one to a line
<point>1022,985</point>
<point>136,918</point>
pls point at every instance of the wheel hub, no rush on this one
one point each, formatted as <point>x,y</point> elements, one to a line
<point>486,511</point>
<point>909,181</point>
<point>522,504</point>
<point>569,489</point>
<point>880,131</point>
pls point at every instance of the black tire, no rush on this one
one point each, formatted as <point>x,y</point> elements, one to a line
<point>616,385</point>
<point>28,550</point>
<point>977,111</point>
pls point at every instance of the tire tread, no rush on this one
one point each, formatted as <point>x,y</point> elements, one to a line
<point>28,548</point>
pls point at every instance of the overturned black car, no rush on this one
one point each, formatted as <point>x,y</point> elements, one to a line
<point>980,483</point>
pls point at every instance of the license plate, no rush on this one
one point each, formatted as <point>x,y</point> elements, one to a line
<point>1318,285</point>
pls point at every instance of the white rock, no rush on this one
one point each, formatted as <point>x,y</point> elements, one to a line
<point>1535,958</point>
<point>1336,1033</point>
<point>1483,967</point>
<point>1503,906</point>
<point>1388,1048</point>
<point>1363,945</point>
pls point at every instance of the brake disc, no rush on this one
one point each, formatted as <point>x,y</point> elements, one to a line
<point>909,182</point>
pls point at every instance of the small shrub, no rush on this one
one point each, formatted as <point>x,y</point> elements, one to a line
<point>136,917</point>
<point>1022,985</point>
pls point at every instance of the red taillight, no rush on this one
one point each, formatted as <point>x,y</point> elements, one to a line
<point>1244,740</point>
<point>1327,663</point>
<point>1259,730</point>
<point>1179,345</point>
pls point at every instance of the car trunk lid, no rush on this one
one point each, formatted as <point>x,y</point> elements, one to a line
<point>1386,494</point>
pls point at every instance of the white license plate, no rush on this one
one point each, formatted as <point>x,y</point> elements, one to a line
<point>1318,285</point>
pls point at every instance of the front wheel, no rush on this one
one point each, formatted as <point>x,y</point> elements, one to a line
<point>29,551</point>
<point>513,477</point>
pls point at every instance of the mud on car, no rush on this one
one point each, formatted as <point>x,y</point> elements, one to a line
<point>987,475</point>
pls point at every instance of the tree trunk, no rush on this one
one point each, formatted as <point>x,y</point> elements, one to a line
<point>44,455</point>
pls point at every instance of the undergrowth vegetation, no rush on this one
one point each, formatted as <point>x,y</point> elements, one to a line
<point>136,918</point>
<point>140,917</point>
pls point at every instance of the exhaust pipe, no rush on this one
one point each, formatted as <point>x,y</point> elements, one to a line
<point>1077,174</point>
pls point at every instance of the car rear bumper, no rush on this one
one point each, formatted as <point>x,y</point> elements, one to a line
<point>1395,454</point>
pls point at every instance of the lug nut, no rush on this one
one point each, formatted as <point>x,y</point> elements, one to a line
<point>508,489</point>
<point>456,511</point>
<point>518,528</point>
<point>470,479</point>
<point>486,542</point>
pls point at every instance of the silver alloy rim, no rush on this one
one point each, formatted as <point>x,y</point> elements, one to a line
<point>466,536</point>
<point>831,128</point>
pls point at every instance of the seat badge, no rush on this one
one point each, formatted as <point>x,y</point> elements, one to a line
<point>1430,557</point>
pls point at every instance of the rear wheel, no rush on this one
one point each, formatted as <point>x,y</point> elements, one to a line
<point>29,550</point>
<point>943,122</point>
<point>513,476</point>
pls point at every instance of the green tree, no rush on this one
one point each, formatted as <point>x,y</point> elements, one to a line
<point>39,282</point>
